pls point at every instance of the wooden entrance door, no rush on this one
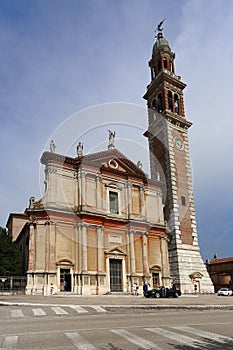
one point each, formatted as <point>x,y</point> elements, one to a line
<point>115,275</point>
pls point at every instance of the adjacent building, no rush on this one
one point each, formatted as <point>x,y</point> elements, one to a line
<point>221,272</point>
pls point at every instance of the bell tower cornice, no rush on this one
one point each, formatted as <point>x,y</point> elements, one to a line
<point>164,77</point>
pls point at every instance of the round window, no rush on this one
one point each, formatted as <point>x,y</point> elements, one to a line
<point>113,164</point>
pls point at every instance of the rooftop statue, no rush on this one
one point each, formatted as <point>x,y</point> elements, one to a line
<point>159,27</point>
<point>111,138</point>
<point>80,149</point>
<point>52,146</point>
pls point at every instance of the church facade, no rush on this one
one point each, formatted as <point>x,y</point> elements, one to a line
<point>99,227</point>
<point>102,224</point>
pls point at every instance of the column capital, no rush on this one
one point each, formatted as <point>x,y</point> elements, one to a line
<point>83,174</point>
<point>84,224</point>
<point>129,184</point>
<point>99,177</point>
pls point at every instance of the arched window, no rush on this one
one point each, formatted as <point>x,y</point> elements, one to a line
<point>154,105</point>
<point>159,66</point>
<point>154,108</point>
<point>153,72</point>
<point>171,67</point>
<point>160,103</point>
<point>176,104</point>
<point>170,103</point>
<point>165,63</point>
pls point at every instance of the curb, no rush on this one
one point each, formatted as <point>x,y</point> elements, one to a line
<point>145,307</point>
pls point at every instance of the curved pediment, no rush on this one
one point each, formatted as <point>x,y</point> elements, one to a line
<point>155,268</point>
<point>66,262</point>
<point>195,274</point>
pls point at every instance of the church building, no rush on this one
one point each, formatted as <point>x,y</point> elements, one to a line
<point>99,227</point>
<point>103,224</point>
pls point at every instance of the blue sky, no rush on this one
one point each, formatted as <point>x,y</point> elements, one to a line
<point>58,58</point>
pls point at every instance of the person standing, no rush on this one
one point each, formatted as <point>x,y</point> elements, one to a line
<point>145,288</point>
<point>135,289</point>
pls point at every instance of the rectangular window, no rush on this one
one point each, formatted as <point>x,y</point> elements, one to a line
<point>113,202</point>
<point>183,201</point>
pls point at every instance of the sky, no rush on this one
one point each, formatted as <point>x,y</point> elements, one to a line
<point>71,70</point>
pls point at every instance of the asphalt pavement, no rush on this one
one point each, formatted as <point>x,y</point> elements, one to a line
<point>198,302</point>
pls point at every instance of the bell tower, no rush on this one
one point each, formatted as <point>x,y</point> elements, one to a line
<point>170,164</point>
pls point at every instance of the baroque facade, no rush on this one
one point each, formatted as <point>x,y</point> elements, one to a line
<point>102,224</point>
<point>99,227</point>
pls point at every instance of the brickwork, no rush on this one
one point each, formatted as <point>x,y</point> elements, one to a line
<point>168,143</point>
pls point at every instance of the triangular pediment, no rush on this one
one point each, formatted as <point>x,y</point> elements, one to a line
<point>115,162</point>
<point>115,251</point>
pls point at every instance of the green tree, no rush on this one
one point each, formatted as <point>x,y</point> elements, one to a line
<point>10,263</point>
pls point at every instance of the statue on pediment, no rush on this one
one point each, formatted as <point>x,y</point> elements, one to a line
<point>80,149</point>
<point>52,146</point>
<point>111,139</point>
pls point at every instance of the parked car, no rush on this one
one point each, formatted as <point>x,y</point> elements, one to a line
<point>224,291</point>
<point>162,293</point>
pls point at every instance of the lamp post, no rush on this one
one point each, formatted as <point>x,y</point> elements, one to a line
<point>3,282</point>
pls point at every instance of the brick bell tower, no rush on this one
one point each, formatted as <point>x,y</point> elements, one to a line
<point>170,164</point>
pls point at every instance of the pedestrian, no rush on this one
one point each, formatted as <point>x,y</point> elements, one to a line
<point>135,289</point>
<point>51,289</point>
<point>145,288</point>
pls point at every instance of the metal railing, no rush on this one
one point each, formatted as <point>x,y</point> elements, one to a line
<point>13,283</point>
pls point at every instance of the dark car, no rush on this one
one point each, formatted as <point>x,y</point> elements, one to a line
<point>162,293</point>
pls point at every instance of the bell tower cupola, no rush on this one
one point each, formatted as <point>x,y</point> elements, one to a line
<point>170,163</point>
<point>165,92</point>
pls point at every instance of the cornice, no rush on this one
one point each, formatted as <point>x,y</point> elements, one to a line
<point>164,76</point>
<point>55,157</point>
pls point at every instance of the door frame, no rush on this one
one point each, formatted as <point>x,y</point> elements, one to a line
<point>119,255</point>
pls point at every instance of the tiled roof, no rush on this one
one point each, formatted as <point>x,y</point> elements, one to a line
<point>221,261</point>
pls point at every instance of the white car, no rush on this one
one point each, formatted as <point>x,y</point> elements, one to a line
<point>224,291</point>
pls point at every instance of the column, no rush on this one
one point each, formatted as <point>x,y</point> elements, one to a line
<point>142,201</point>
<point>76,190</point>
<point>47,255</point>
<point>31,259</point>
<point>52,246</point>
<point>31,249</point>
<point>79,190</point>
<point>84,247</point>
<point>79,258</point>
<point>83,189</point>
<point>132,252</point>
<point>145,253</point>
<point>76,264</point>
<point>100,250</point>
<point>129,198</point>
<point>98,193</point>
